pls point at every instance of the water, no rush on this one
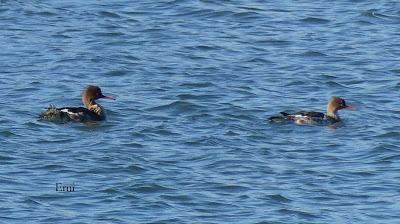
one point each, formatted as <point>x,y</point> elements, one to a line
<point>187,139</point>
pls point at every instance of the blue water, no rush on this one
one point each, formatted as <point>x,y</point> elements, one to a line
<point>187,139</point>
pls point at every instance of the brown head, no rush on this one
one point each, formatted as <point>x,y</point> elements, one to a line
<point>92,93</point>
<point>335,104</point>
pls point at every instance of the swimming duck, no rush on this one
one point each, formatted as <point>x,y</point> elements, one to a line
<point>310,117</point>
<point>92,112</point>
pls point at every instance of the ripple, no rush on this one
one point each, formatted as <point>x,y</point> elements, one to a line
<point>7,133</point>
<point>251,8</point>
<point>52,167</point>
<point>395,71</point>
<point>210,141</point>
<point>117,73</point>
<point>134,145</point>
<point>374,14</point>
<point>53,141</point>
<point>335,84</point>
<point>259,60</point>
<point>274,42</point>
<point>109,14</point>
<point>30,201</point>
<point>232,188</point>
<point>109,34</point>
<point>61,36</point>
<point>302,214</point>
<point>41,13</point>
<point>295,83</point>
<point>150,188</point>
<point>386,147</point>
<point>279,198</point>
<point>204,47</point>
<point>178,106</point>
<point>185,96</point>
<point>135,169</point>
<point>197,84</point>
<point>391,134</point>
<point>217,14</point>
<point>314,20</point>
<point>313,54</point>
<point>247,15</point>
<point>6,158</point>
<point>177,198</point>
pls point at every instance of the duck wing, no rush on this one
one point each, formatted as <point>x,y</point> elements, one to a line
<point>306,116</point>
<point>310,114</point>
<point>74,110</point>
<point>80,113</point>
<point>65,114</point>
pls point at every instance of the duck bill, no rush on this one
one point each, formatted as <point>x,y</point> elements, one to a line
<point>107,97</point>
<point>349,107</point>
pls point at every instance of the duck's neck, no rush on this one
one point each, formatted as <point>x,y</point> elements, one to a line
<point>92,106</point>
<point>88,102</point>
<point>95,108</point>
<point>331,112</point>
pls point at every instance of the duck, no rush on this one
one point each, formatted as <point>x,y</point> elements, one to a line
<point>91,112</point>
<point>311,117</point>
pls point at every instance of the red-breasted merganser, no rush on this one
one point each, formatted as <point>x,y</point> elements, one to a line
<point>309,117</point>
<point>92,112</point>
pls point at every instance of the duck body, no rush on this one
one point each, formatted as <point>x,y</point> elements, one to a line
<point>304,117</point>
<point>92,112</point>
<point>310,117</point>
<point>66,114</point>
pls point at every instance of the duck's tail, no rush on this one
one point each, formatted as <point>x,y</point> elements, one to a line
<point>54,114</point>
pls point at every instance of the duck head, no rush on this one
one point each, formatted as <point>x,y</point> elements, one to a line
<point>335,104</point>
<point>92,93</point>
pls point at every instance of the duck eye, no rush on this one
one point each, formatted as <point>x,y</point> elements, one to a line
<point>343,103</point>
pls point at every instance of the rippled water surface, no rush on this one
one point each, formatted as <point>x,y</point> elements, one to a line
<point>187,140</point>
